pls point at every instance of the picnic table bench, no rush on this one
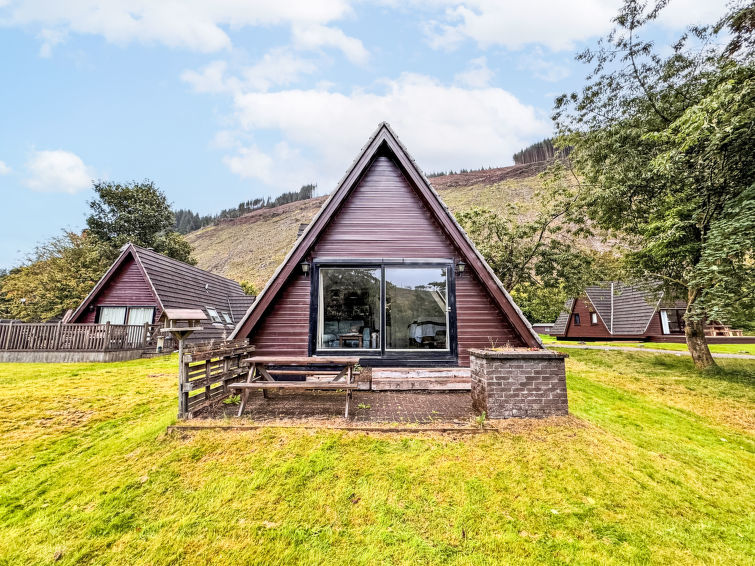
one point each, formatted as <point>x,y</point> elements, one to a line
<point>260,376</point>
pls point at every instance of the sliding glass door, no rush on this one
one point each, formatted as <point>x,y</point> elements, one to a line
<point>416,308</point>
<point>389,310</point>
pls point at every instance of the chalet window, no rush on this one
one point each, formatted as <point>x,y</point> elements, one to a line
<point>390,309</point>
<point>126,315</point>
<point>672,321</point>
<point>140,315</point>
<point>593,318</point>
<point>113,315</point>
<point>576,320</point>
<point>349,308</point>
<point>214,316</point>
<point>227,317</point>
<point>416,308</point>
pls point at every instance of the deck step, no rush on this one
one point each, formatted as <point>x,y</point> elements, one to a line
<point>428,379</point>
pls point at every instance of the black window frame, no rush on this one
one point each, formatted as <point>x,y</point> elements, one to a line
<point>576,320</point>
<point>381,355</point>
<point>125,317</point>
<point>593,319</point>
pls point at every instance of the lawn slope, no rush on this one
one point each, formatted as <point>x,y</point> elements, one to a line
<point>653,466</point>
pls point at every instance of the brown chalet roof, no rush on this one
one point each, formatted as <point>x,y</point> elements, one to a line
<point>178,285</point>
<point>625,310</point>
<point>385,137</point>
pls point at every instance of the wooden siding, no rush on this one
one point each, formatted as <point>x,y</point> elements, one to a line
<point>383,218</point>
<point>285,329</point>
<point>583,308</point>
<point>127,287</point>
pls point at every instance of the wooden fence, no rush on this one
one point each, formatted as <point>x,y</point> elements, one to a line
<point>53,337</point>
<point>206,371</point>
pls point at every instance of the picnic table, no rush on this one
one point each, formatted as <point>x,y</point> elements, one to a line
<point>260,375</point>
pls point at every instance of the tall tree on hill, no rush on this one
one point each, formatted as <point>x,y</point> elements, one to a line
<point>665,145</point>
<point>138,213</point>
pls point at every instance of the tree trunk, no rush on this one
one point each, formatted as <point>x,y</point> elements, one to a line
<point>694,331</point>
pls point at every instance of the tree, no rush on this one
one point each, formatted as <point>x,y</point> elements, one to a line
<point>55,277</point>
<point>138,213</point>
<point>541,261</point>
<point>249,288</point>
<point>664,146</point>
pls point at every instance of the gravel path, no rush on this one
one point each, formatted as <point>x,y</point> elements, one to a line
<point>650,350</point>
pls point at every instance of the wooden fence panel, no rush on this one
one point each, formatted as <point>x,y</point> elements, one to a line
<point>206,373</point>
<point>78,337</point>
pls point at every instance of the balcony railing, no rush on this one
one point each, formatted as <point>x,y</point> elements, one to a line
<point>54,337</point>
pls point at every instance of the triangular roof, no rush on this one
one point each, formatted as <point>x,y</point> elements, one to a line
<point>625,310</point>
<point>177,285</point>
<point>384,136</point>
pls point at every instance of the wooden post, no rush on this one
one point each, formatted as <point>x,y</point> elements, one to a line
<point>56,343</point>
<point>7,337</point>
<point>107,336</point>
<point>207,376</point>
<point>145,333</point>
<point>183,373</point>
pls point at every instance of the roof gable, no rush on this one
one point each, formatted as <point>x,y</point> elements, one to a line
<point>176,284</point>
<point>385,142</point>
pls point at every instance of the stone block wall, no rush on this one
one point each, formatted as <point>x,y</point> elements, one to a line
<point>518,383</point>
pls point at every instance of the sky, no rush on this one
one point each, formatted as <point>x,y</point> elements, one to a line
<point>223,101</point>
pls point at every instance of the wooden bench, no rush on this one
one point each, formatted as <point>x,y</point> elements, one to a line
<point>261,377</point>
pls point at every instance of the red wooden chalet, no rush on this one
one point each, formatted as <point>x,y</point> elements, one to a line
<point>384,272</point>
<point>142,283</point>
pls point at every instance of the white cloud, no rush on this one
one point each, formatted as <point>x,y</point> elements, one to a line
<point>278,67</point>
<point>198,25</point>
<point>57,171</point>
<point>4,168</point>
<point>478,74</point>
<point>443,126</point>
<point>313,36</point>
<point>514,24</point>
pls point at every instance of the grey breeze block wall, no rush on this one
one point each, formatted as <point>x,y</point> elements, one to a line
<point>518,383</point>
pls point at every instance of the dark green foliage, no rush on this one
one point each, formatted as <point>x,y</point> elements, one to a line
<point>665,146</point>
<point>540,151</point>
<point>541,261</point>
<point>138,213</point>
<point>188,221</point>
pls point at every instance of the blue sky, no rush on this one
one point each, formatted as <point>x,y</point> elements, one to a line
<point>223,101</point>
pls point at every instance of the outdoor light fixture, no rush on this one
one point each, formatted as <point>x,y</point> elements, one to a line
<point>305,268</point>
<point>460,267</point>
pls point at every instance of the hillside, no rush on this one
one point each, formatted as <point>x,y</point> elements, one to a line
<point>251,247</point>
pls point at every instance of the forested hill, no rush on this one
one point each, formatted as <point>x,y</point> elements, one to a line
<point>251,246</point>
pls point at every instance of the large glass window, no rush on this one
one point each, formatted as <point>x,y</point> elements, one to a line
<point>349,308</point>
<point>113,315</point>
<point>672,321</point>
<point>416,308</point>
<point>140,315</point>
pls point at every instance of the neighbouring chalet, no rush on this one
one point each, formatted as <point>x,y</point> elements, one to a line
<point>617,311</point>
<point>142,283</point>
<point>384,272</point>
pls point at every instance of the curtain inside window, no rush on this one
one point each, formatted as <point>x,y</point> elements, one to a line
<point>113,315</point>
<point>140,315</point>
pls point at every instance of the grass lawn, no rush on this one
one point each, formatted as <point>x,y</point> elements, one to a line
<point>715,348</point>
<point>655,465</point>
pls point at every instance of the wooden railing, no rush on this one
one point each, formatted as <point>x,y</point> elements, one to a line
<point>205,372</point>
<point>52,337</point>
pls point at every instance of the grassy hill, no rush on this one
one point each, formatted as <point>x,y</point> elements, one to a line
<point>251,247</point>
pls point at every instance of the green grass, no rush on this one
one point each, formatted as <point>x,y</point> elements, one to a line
<point>654,466</point>
<point>715,348</point>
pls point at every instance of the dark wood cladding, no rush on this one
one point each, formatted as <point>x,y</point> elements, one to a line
<point>383,218</point>
<point>583,308</point>
<point>285,329</point>
<point>126,287</point>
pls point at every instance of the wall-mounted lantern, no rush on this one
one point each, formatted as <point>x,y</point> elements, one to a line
<point>305,268</point>
<point>461,267</point>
